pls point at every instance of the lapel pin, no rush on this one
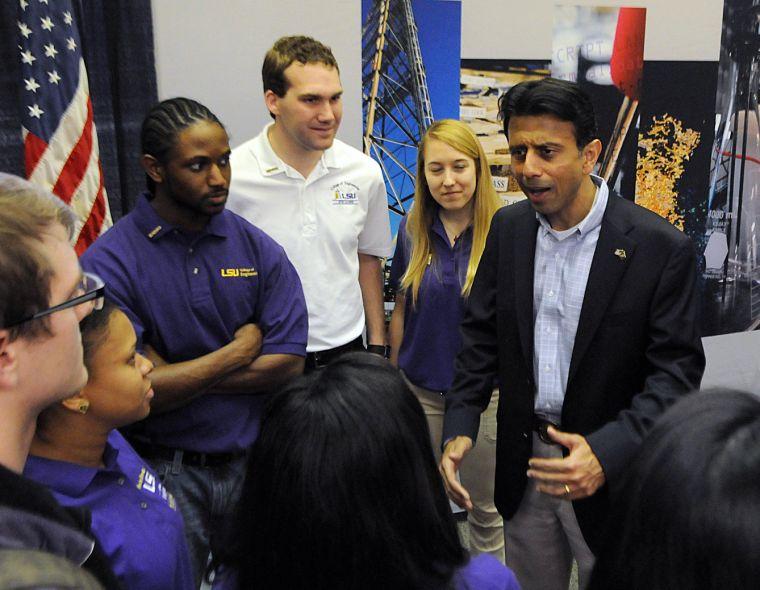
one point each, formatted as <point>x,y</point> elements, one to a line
<point>620,253</point>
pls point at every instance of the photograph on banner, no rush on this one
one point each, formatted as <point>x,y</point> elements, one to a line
<point>602,49</point>
<point>410,74</point>
<point>481,84</point>
<point>729,237</point>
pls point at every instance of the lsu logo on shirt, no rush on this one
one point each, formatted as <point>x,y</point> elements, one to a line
<point>345,193</point>
<point>238,272</point>
<point>148,482</point>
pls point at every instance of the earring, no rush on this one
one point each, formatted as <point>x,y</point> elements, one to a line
<point>84,405</point>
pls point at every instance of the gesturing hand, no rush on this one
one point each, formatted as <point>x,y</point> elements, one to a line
<point>579,475</point>
<point>453,454</point>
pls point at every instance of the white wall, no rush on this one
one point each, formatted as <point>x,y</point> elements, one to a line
<point>211,50</point>
<point>679,30</point>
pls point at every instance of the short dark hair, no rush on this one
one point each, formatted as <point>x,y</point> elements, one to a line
<point>342,490</point>
<point>94,329</point>
<point>550,96</point>
<point>165,121</point>
<point>27,213</point>
<point>688,513</point>
<point>287,50</point>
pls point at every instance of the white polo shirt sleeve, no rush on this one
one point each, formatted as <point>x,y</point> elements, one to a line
<point>375,237</point>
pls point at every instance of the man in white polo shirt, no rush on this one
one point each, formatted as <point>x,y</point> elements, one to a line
<point>321,199</point>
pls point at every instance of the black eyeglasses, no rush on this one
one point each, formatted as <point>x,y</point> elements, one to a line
<point>91,287</point>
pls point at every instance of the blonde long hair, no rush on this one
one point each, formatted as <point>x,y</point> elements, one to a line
<point>420,219</point>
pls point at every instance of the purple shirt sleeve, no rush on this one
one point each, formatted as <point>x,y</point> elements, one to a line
<point>283,318</point>
<point>485,572</point>
<point>400,262</point>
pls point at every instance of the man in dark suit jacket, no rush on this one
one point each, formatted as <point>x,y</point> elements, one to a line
<point>585,307</point>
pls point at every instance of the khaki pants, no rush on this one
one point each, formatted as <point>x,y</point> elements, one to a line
<point>544,537</point>
<point>476,473</point>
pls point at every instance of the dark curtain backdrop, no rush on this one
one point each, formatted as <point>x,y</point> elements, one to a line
<point>117,43</point>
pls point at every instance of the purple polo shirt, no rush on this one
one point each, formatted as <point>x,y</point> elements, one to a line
<point>431,328</point>
<point>485,572</point>
<point>186,295</point>
<point>133,516</point>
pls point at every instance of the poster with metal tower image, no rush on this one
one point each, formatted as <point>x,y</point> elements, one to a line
<point>410,75</point>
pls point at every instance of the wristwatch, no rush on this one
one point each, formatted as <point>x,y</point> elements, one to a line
<point>379,349</point>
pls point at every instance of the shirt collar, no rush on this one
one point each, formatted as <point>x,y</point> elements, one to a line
<point>67,478</point>
<point>271,164</point>
<point>154,227</point>
<point>437,228</point>
<point>589,223</point>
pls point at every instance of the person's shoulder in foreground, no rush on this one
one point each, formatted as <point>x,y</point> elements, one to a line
<point>485,572</point>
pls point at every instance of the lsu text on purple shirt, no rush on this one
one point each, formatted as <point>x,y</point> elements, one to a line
<point>133,516</point>
<point>431,338</point>
<point>186,295</point>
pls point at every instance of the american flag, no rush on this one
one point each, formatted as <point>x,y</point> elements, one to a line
<point>60,143</point>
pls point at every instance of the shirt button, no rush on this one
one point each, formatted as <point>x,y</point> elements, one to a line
<point>144,505</point>
<point>551,293</point>
<point>195,270</point>
<point>548,330</point>
<point>120,481</point>
<point>190,250</point>
<point>548,368</point>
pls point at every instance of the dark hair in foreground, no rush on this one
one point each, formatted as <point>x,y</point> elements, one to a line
<point>165,121</point>
<point>688,516</point>
<point>550,96</point>
<point>342,490</point>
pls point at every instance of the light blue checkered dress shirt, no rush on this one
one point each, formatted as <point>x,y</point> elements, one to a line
<point>562,265</point>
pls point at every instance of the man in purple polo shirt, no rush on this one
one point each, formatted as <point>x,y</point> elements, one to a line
<point>217,307</point>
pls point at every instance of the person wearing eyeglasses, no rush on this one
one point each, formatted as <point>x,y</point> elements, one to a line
<point>81,457</point>
<point>217,307</point>
<point>43,297</point>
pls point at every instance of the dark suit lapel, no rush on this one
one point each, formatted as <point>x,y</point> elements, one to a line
<point>613,253</point>
<point>524,256</point>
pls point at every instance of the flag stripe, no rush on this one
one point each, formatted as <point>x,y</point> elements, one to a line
<point>34,148</point>
<point>77,163</point>
<point>94,224</point>
<point>84,197</point>
<point>67,133</point>
<point>58,128</point>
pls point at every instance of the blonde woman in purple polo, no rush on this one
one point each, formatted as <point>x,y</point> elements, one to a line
<point>438,249</point>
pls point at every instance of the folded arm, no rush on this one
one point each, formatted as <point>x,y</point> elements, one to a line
<point>176,384</point>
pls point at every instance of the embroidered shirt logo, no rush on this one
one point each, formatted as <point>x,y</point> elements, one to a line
<point>345,193</point>
<point>148,482</point>
<point>239,272</point>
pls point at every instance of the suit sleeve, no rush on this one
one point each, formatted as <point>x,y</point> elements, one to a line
<point>675,360</point>
<point>477,361</point>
